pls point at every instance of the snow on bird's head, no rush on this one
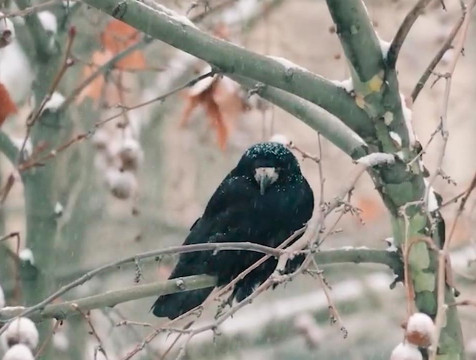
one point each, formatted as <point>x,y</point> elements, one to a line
<point>269,154</point>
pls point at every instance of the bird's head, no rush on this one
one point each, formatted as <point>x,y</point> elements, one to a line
<point>268,163</point>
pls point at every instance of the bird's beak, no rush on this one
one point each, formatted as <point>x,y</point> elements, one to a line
<point>265,176</point>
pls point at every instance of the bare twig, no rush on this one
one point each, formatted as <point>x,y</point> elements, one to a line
<point>48,339</point>
<point>444,114</point>
<point>67,62</point>
<point>304,153</point>
<point>34,162</point>
<point>441,310</point>
<point>334,312</point>
<point>86,316</point>
<point>403,31</point>
<point>431,67</point>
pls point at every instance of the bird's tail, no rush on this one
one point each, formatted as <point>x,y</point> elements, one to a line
<point>174,305</point>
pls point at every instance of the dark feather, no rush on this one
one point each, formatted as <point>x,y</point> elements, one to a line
<point>237,212</point>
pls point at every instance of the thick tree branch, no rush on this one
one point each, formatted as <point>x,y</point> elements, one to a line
<point>150,254</point>
<point>162,24</point>
<point>112,298</point>
<point>41,38</point>
<point>358,38</point>
<point>320,120</point>
<point>8,148</point>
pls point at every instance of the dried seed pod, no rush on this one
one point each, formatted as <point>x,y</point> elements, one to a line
<point>420,330</point>
<point>405,351</point>
<point>21,331</point>
<point>122,184</point>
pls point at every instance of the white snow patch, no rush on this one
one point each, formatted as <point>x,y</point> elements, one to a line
<point>54,103</point>
<point>203,84</point>
<point>243,9</point>
<point>27,255</point>
<point>18,142</point>
<point>49,21</point>
<point>15,72</point>
<point>384,47</point>
<point>407,116</point>
<point>21,331</point>
<point>388,118</point>
<point>2,298</point>
<point>391,244</point>
<point>376,159</point>
<point>406,352</point>
<point>347,84</point>
<point>18,352</point>
<point>432,202</point>
<point>171,14</point>
<point>68,3</point>
<point>396,138</point>
<point>60,341</point>
<point>288,65</point>
<point>280,138</point>
<point>58,208</point>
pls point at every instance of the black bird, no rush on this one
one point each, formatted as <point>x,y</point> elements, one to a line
<point>263,200</point>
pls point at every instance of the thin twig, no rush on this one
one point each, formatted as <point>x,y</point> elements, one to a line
<point>431,67</point>
<point>93,332</point>
<point>101,70</point>
<point>444,114</point>
<point>35,162</point>
<point>334,312</point>
<point>48,339</point>
<point>441,309</point>
<point>34,116</point>
<point>403,31</point>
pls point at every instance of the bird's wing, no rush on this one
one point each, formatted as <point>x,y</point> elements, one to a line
<point>221,214</point>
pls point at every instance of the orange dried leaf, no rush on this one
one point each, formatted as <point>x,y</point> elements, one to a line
<point>371,208</point>
<point>7,106</point>
<point>94,89</point>
<point>216,119</point>
<point>134,61</point>
<point>116,37</point>
<point>220,99</point>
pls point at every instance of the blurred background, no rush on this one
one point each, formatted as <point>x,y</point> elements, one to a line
<point>175,153</point>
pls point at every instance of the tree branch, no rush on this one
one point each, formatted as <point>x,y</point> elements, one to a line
<point>403,31</point>
<point>320,120</point>
<point>358,39</point>
<point>41,38</point>
<point>149,254</point>
<point>161,23</point>
<point>429,70</point>
<point>112,298</point>
<point>8,148</point>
